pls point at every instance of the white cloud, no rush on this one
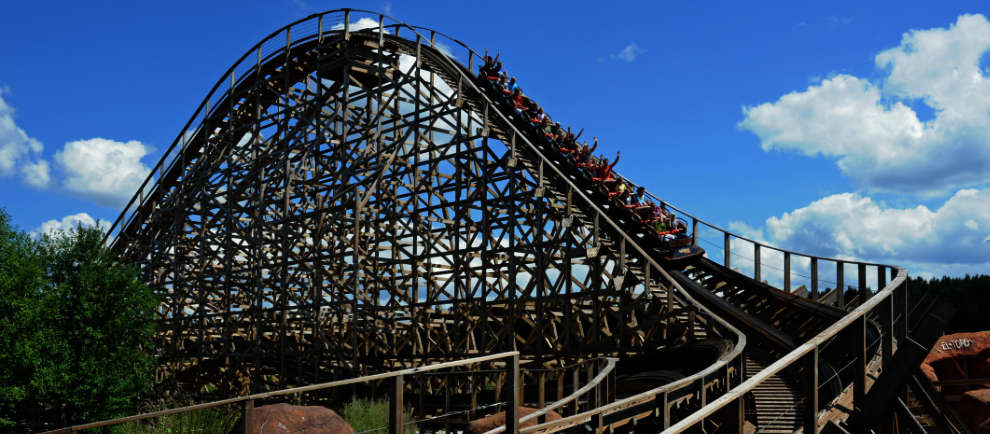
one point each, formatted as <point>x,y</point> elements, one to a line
<point>69,222</point>
<point>858,226</point>
<point>629,53</point>
<point>37,174</point>
<point>106,171</point>
<point>872,131</point>
<point>17,149</point>
<point>361,24</point>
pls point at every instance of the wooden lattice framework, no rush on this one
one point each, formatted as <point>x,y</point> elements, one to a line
<point>345,203</point>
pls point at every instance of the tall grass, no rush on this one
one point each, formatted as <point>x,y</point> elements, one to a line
<point>371,416</point>
<point>216,420</point>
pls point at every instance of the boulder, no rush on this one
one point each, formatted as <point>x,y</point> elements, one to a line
<point>974,410</point>
<point>488,423</point>
<point>285,418</point>
<point>959,356</point>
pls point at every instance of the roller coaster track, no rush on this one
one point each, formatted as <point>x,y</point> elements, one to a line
<point>349,198</point>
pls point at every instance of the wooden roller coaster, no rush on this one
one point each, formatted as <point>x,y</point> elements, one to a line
<point>350,200</point>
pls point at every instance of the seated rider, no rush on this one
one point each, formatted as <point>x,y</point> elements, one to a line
<point>531,111</point>
<point>584,155</point>
<point>607,169</point>
<point>548,128</point>
<point>658,219</point>
<point>621,191</point>
<point>639,196</point>
<point>518,101</point>
<point>491,67</point>
<point>511,86</point>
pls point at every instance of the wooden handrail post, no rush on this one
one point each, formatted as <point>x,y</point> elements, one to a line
<point>814,279</point>
<point>248,427</point>
<point>900,311</point>
<point>881,277</point>
<point>694,231</point>
<point>395,406</point>
<point>756,262</point>
<point>858,329</point>
<point>739,413</point>
<point>787,271</point>
<point>811,390</point>
<point>512,385</point>
<point>727,249</point>
<point>864,292</point>
<point>840,286</point>
<point>886,330</point>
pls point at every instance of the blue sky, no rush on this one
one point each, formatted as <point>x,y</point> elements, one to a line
<point>856,129</point>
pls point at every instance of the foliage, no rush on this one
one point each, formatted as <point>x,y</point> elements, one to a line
<point>970,295</point>
<point>370,415</point>
<point>211,420</point>
<point>75,330</point>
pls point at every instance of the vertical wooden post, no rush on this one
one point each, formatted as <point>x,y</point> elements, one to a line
<point>249,417</point>
<point>756,262</point>
<point>512,385</point>
<point>666,410</point>
<point>864,292</point>
<point>541,397</point>
<point>900,311</point>
<point>395,406</point>
<point>811,392</point>
<point>814,279</point>
<point>881,277</point>
<point>691,321</point>
<point>727,249</point>
<point>787,271</point>
<point>886,329</point>
<point>739,413</point>
<point>694,231</point>
<point>347,24</point>
<point>858,328</point>
<point>840,286</point>
<point>575,385</point>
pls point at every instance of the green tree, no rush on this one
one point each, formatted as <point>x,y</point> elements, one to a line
<point>81,330</point>
<point>22,277</point>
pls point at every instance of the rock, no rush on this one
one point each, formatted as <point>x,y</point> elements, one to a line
<point>959,356</point>
<point>974,410</point>
<point>285,418</point>
<point>488,423</point>
<point>962,356</point>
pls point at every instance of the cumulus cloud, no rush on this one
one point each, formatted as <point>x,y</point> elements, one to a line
<point>857,226</point>
<point>361,24</point>
<point>37,174</point>
<point>870,128</point>
<point>105,171</point>
<point>17,149</point>
<point>67,223</point>
<point>629,53</point>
